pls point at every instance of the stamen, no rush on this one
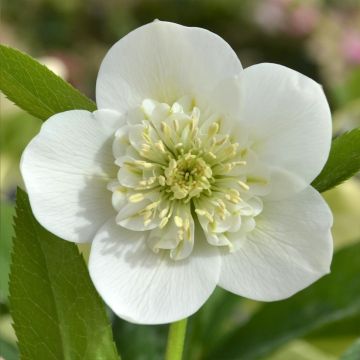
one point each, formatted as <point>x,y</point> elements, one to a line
<point>144,164</point>
<point>160,146</point>
<point>136,198</point>
<point>212,155</point>
<point>213,129</point>
<point>178,221</point>
<point>163,222</point>
<point>161,180</point>
<point>185,166</point>
<point>243,185</point>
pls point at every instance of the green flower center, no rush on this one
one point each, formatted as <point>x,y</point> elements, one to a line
<point>188,176</point>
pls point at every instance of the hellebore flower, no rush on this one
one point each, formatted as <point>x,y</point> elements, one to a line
<point>193,173</point>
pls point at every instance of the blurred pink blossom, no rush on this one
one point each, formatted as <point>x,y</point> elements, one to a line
<point>351,46</point>
<point>303,20</point>
<point>288,16</point>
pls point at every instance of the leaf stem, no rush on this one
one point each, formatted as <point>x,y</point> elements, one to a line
<point>176,340</point>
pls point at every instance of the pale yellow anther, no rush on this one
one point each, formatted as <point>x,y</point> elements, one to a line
<point>160,146</point>
<point>136,197</point>
<point>163,213</point>
<point>231,247</point>
<point>188,233</point>
<point>194,192</point>
<point>180,234</point>
<point>172,164</point>
<point>234,192</point>
<point>195,114</point>
<point>165,128</point>
<point>176,125</point>
<point>231,150</point>
<point>207,172</point>
<point>179,193</point>
<point>145,148</point>
<point>153,205</point>
<point>146,136</point>
<point>163,222</point>
<point>213,129</point>
<point>178,221</point>
<point>192,127</point>
<point>144,164</point>
<point>222,141</point>
<point>187,224</point>
<point>232,197</point>
<point>200,212</point>
<point>212,155</point>
<point>147,222</point>
<point>240,162</point>
<point>162,180</point>
<point>176,108</point>
<point>147,215</point>
<point>205,213</point>
<point>243,185</point>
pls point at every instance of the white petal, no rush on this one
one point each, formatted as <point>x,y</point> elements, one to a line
<point>130,216</point>
<point>288,116</point>
<point>222,104</point>
<point>258,180</point>
<point>119,199</point>
<point>147,288</point>
<point>217,239</point>
<point>121,142</point>
<point>66,169</point>
<point>163,61</point>
<point>186,245</point>
<point>283,184</point>
<point>136,136</point>
<point>290,248</point>
<point>177,235</point>
<point>165,238</point>
<point>128,176</point>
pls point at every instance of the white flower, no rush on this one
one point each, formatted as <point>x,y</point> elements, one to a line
<point>193,173</point>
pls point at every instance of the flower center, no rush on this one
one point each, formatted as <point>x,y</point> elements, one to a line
<point>187,176</point>
<point>175,166</point>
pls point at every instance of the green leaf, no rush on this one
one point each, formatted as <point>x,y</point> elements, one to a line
<point>343,328</point>
<point>349,90</point>
<point>353,353</point>
<point>332,298</point>
<point>56,311</point>
<point>219,309</point>
<point>147,342</point>
<point>36,89</point>
<point>343,161</point>
<point>8,351</point>
<point>6,234</point>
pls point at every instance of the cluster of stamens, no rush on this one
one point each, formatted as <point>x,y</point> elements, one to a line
<point>174,165</point>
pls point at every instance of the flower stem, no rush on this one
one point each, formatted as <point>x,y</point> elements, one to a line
<point>176,340</point>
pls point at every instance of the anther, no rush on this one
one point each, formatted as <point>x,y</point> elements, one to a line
<point>136,198</point>
<point>243,185</point>
<point>213,129</point>
<point>178,221</point>
<point>163,222</point>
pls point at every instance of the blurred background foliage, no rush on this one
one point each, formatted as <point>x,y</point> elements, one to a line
<point>316,37</point>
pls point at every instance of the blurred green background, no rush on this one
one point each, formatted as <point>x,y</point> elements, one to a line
<point>318,38</point>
